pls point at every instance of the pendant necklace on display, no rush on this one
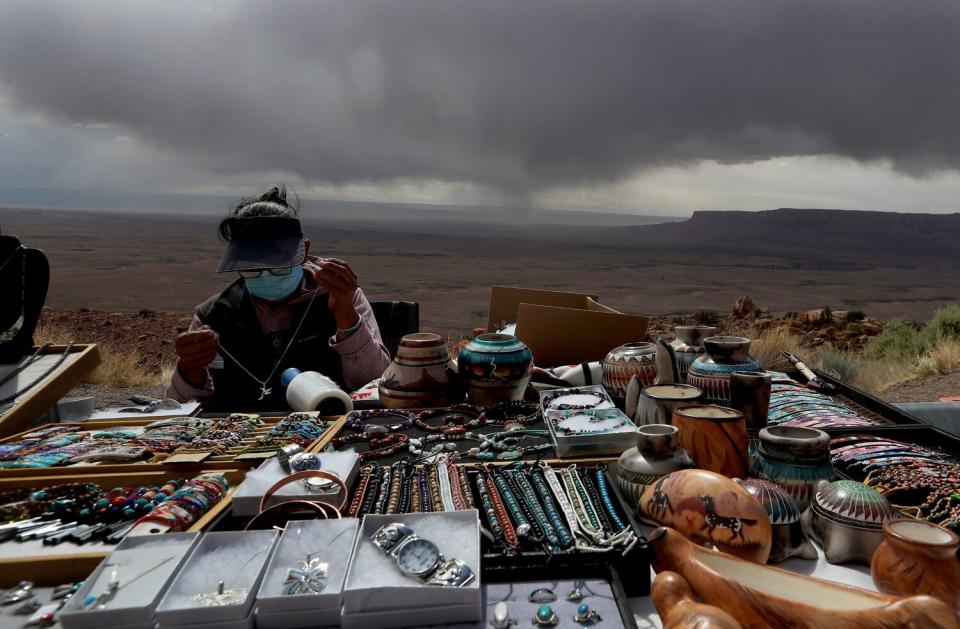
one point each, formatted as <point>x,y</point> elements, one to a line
<point>264,389</point>
<point>113,586</point>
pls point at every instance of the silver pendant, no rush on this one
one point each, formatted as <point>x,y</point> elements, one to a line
<point>310,577</point>
<point>221,597</point>
<point>265,391</point>
<point>575,595</point>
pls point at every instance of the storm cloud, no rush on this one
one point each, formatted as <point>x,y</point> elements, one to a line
<point>516,95</point>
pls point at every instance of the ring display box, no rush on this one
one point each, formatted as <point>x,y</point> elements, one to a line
<point>246,502</point>
<point>327,541</point>
<point>143,568</point>
<point>235,558</point>
<point>584,421</point>
<point>377,595</point>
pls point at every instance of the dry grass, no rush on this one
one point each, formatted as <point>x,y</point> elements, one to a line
<point>119,365</point>
<point>870,374</point>
<point>940,359</point>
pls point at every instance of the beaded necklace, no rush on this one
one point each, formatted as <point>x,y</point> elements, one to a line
<point>451,420</point>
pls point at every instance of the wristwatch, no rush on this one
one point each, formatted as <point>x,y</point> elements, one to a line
<point>420,558</point>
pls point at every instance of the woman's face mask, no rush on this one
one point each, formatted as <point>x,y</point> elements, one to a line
<point>274,287</point>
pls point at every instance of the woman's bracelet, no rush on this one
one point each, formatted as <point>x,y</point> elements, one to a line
<point>345,332</point>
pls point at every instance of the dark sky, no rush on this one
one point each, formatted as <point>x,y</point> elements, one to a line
<point>660,107</point>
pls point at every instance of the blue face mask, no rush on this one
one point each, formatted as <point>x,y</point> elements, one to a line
<point>274,287</point>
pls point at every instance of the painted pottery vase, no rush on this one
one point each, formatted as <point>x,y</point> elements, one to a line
<point>655,455</point>
<point>655,405</point>
<point>846,518</point>
<point>495,368</point>
<point>715,437</point>
<point>795,458</point>
<point>750,394</point>
<point>710,509</point>
<point>711,371</point>
<point>789,539</point>
<point>765,596</point>
<point>625,362</point>
<point>421,376</point>
<point>679,608</point>
<point>689,345</point>
<point>918,557</point>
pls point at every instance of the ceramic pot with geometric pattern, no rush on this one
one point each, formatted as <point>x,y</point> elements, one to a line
<point>655,455</point>
<point>846,518</point>
<point>689,345</point>
<point>711,372</point>
<point>788,537</point>
<point>625,362</point>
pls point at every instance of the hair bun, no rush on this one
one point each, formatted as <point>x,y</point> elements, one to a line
<point>275,195</point>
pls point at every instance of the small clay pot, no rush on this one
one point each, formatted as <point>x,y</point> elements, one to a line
<point>846,519</point>
<point>710,372</point>
<point>689,345</point>
<point>422,375</point>
<point>795,458</point>
<point>750,394</point>
<point>655,455</point>
<point>918,557</point>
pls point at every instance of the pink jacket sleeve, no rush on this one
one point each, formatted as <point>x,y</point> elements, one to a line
<point>362,354</point>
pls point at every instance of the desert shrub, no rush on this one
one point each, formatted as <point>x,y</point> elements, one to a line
<point>839,364</point>
<point>944,326</point>
<point>898,341</point>
<point>856,315</point>
<point>706,317</point>
<point>790,314</point>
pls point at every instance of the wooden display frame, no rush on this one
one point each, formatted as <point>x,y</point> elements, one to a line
<point>54,569</point>
<point>208,463</point>
<point>45,395</point>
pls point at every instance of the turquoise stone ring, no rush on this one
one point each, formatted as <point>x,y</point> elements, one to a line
<point>546,617</point>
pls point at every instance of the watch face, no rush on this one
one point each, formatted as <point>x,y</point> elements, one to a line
<point>418,557</point>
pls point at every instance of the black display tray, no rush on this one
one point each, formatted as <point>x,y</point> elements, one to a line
<point>631,570</point>
<point>922,435</point>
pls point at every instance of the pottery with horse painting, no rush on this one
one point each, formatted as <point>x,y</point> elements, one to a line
<point>495,368</point>
<point>710,508</point>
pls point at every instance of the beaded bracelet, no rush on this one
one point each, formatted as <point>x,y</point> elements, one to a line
<point>372,490</point>
<point>536,526</point>
<point>523,525</point>
<point>593,497</point>
<point>360,491</point>
<point>385,486</point>
<point>565,538</point>
<point>604,488</point>
<point>529,494</point>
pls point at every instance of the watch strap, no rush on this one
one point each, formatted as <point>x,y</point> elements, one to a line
<point>451,573</point>
<point>388,538</point>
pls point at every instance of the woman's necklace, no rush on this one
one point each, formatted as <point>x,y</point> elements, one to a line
<point>113,586</point>
<point>17,325</point>
<point>264,389</point>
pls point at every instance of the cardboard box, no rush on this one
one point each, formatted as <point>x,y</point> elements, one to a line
<point>563,328</point>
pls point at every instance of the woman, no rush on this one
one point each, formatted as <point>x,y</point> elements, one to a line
<point>286,309</point>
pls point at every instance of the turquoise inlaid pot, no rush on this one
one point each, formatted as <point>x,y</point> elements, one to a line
<point>495,368</point>
<point>711,372</point>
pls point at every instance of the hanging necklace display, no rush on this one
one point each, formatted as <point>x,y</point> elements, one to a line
<point>265,390</point>
<point>589,421</point>
<point>14,329</point>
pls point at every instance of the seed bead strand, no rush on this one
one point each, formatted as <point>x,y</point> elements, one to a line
<point>566,539</point>
<point>490,511</point>
<point>433,482</point>
<point>396,478</point>
<point>529,496</point>
<point>381,503</point>
<point>588,525</point>
<point>467,491</point>
<point>509,533</point>
<point>456,487</point>
<point>416,501</point>
<point>524,527</point>
<point>372,491</point>
<point>426,499</point>
<point>536,524</point>
<point>566,507</point>
<point>619,524</point>
<point>446,491</point>
<point>360,492</point>
<point>593,497</point>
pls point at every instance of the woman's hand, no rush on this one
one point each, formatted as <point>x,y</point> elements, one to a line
<point>340,282</point>
<point>195,351</point>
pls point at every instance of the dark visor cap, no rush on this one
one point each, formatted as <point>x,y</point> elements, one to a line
<point>262,242</point>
